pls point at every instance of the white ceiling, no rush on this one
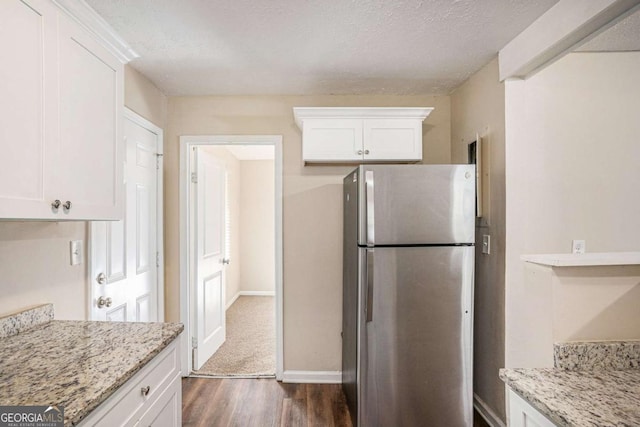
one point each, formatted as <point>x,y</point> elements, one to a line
<point>198,47</point>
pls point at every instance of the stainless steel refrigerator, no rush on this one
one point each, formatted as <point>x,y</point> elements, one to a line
<point>408,295</point>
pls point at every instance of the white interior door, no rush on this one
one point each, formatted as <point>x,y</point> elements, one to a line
<point>208,236</point>
<point>124,254</point>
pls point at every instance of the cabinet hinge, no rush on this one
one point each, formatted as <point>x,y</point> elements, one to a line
<point>194,342</point>
<point>158,259</point>
<point>158,157</point>
<point>194,177</point>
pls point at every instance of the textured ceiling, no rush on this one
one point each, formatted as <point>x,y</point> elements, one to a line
<point>199,47</point>
<point>623,36</point>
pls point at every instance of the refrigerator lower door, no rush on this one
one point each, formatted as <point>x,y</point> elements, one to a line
<point>416,337</point>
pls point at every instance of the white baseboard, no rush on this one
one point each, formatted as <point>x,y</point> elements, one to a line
<point>312,377</point>
<point>258,293</point>
<point>250,294</point>
<point>235,297</point>
<point>486,412</point>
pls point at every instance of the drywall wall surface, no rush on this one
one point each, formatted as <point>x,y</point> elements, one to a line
<point>257,221</point>
<point>34,261</point>
<point>572,152</point>
<point>233,251</point>
<point>312,207</point>
<point>143,97</point>
<point>477,107</point>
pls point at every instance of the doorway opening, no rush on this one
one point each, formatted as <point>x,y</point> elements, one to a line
<point>231,255</point>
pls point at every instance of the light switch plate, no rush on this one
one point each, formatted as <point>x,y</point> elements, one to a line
<point>75,247</point>
<point>486,244</point>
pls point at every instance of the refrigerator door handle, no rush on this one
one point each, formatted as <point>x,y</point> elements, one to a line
<point>369,304</point>
<point>369,196</point>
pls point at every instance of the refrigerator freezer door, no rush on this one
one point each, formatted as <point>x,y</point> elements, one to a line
<point>416,204</point>
<point>416,367</point>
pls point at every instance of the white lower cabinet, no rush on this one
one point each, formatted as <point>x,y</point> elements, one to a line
<point>522,414</point>
<point>152,397</point>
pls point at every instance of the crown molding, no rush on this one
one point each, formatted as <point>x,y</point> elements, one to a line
<point>302,113</point>
<point>84,14</point>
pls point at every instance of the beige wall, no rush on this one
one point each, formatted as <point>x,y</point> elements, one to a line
<point>143,97</point>
<point>234,177</point>
<point>572,173</point>
<point>312,207</point>
<point>34,256</point>
<point>34,261</point>
<point>478,107</point>
<point>257,223</point>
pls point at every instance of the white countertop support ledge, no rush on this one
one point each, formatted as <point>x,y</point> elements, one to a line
<point>584,260</point>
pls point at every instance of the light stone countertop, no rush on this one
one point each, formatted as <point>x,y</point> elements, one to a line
<point>599,398</point>
<point>76,364</point>
<point>593,384</point>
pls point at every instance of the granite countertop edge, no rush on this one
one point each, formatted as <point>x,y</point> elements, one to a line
<point>530,396</point>
<point>109,391</point>
<point>602,397</point>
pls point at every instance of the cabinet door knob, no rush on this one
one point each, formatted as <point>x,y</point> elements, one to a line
<point>56,204</point>
<point>365,152</point>
<point>145,390</point>
<point>359,152</point>
<point>67,205</point>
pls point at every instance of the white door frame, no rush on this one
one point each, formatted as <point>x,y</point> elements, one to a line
<point>138,119</point>
<point>186,251</point>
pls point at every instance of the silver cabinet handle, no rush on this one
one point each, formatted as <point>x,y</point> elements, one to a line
<point>366,151</point>
<point>369,196</point>
<point>101,279</point>
<point>145,390</point>
<point>67,205</point>
<point>359,152</point>
<point>369,305</point>
<point>104,302</point>
<point>56,204</point>
<point>226,261</point>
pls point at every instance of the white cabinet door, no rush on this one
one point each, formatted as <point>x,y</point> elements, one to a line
<point>89,154</point>
<point>392,139</point>
<point>28,86</point>
<point>332,140</point>
<point>167,410</point>
<point>61,100</point>
<point>522,414</point>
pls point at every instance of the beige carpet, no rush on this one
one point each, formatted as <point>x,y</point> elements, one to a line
<point>249,349</point>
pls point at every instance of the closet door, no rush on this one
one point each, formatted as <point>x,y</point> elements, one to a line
<point>90,151</point>
<point>28,107</point>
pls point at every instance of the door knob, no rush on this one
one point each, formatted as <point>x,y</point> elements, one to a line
<point>104,302</point>
<point>56,204</point>
<point>226,261</point>
<point>67,205</point>
<point>101,279</point>
<point>359,152</point>
<point>365,152</point>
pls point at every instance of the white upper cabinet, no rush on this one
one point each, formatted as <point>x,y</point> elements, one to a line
<point>360,135</point>
<point>61,146</point>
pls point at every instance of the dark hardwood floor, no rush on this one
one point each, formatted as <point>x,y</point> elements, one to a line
<point>262,402</point>
<point>266,402</point>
